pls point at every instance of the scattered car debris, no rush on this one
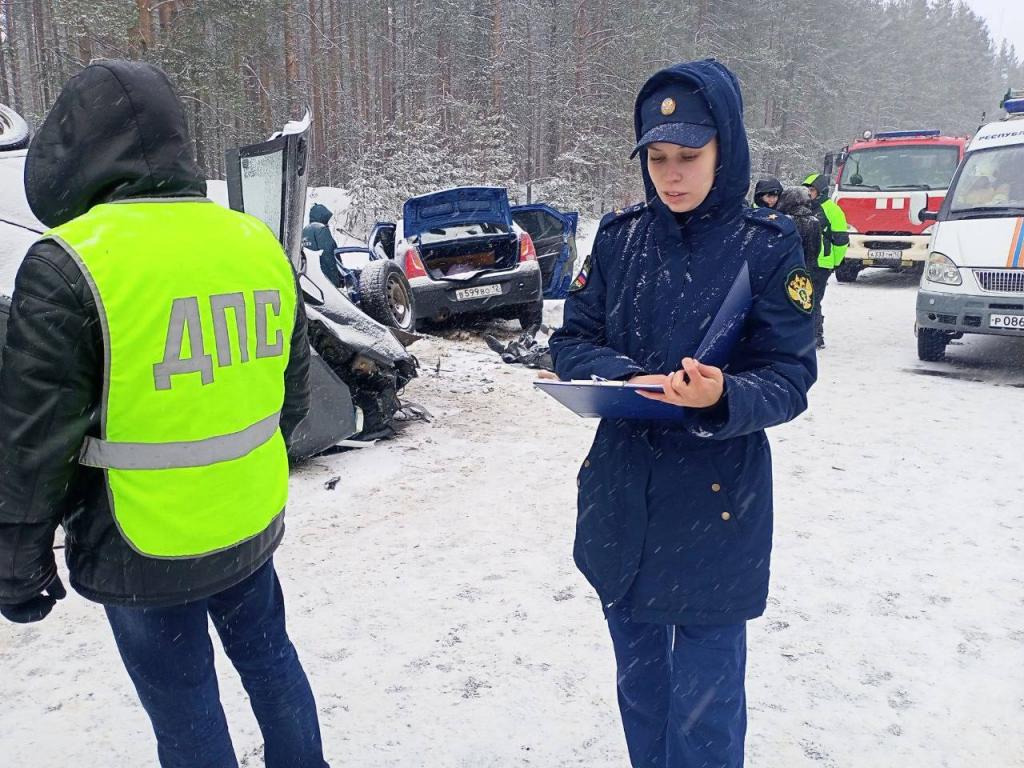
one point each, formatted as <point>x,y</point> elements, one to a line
<point>524,350</point>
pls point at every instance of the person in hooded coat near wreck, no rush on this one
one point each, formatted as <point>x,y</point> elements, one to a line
<point>316,236</point>
<point>674,525</point>
<point>766,193</point>
<point>795,202</point>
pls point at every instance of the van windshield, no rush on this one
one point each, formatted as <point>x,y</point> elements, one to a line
<point>900,167</point>
<point>991,178</point>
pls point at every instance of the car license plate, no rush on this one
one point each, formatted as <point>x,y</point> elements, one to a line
<point>463,294</point>
<point>884,255</point>
<point>1015,322</point>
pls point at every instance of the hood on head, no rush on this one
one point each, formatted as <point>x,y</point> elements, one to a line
<point>769,186</point>
<point>721,89</point>
<point>819,182</point>
<point>320,214</point>
<point>117,130</point>
<point>794,200</point>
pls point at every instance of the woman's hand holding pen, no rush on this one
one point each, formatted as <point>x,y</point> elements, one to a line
<point>695,385</point>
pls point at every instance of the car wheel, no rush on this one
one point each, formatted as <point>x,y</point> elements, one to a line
<point>931,344</point>
<point>531,315</point>
<point>14,133</point>
<point>387,296</point>
<point>847,273</point>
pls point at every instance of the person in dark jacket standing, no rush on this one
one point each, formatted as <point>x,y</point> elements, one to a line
<point>674,521</point>
<point>834,242</point>
<point>316,236</point>
<point>766,193</point>
<point>796,203</point>
<point>165,462</point>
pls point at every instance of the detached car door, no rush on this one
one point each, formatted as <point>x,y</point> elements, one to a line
<point>554,236</point>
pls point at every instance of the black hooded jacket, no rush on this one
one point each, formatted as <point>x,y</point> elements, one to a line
<point>764,187</point>
<point>316,236</point>
<point>116,131</point>
<point>796,203</point>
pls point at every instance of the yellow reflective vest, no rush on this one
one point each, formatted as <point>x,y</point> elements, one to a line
<point>197,307</point>
<point>831,255</point>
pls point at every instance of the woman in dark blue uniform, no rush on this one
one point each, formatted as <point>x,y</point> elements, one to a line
<point>674,528</point>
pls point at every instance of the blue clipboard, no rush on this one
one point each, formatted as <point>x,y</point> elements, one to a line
<point>611,400</point>
<point>619,400</point>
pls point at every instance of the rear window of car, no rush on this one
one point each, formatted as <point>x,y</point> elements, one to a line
<point>539,224</point>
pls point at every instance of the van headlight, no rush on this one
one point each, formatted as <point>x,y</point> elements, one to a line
<point>941,269</point>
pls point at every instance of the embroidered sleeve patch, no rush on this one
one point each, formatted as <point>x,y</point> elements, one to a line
<point>800,290</point>
<point>581,279</point>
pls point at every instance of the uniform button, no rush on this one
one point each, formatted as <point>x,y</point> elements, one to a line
<point>586,463</point>
<point>726,516</point>
<point>716,487</point>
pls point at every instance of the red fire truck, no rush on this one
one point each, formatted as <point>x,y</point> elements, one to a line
<point>885,180</point>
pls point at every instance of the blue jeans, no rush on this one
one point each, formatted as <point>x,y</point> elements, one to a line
<point>681,692</point>
<point>169,657</point>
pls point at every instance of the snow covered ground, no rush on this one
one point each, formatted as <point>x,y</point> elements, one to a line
<point>434,601</point>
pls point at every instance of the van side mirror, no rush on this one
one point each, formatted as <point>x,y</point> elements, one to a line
<point>926,215</point>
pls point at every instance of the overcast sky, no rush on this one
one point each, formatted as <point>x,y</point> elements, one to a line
<point>1005,20</point>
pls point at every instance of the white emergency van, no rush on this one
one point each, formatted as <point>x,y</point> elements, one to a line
<point>974,279</point>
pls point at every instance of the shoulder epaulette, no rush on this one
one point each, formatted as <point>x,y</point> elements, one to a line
<point>771,219</point>
<point>621,213</point>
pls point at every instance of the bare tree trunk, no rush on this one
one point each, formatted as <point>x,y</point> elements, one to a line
<point>166,10</point>
<point>291,61</point>
<point>315,82</point>
<point>36,64</point>
<point>444,85</point>
<point>353,63</point>
<point>333,106</point>
<point>17,99</point>
<point>263,91</point>
<point>145,26</point>
<point>364,72</point>
<point>496,40</point>
<point>84,42</point>
<point>199,134</point>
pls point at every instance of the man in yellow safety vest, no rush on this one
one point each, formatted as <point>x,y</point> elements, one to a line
<point>155,365</point>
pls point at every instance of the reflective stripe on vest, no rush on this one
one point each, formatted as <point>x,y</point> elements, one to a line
<point>190,453</point>
<point>196,306</point>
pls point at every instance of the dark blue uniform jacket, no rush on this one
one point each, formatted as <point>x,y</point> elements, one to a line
<point>316,236</point>
<point>675,521</point>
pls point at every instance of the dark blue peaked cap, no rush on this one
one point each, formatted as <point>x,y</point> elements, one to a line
<point>677,113</point>
<point>719,87</point>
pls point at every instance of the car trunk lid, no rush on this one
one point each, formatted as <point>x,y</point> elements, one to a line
<point>454,207</point>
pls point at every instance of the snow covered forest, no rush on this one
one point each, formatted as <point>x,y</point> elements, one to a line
<point>408,96</point>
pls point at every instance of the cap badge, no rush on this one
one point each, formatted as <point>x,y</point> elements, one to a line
<point>668,107</point>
